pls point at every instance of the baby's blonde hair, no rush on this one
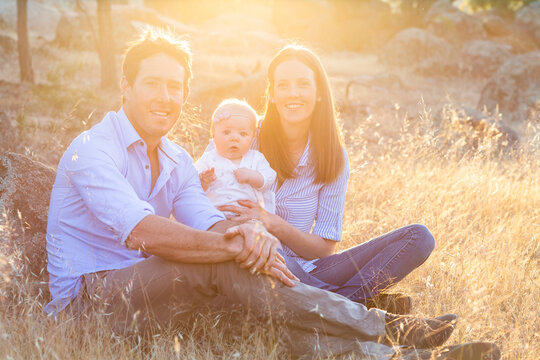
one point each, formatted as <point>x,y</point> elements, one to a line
<point>233,107</point>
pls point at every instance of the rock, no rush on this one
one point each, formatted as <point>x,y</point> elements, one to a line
<point>438,8</point>
<point>25,188</point>
<point>77,31</point>
<point>482,58</point>
<point>514,88</point>
<point>42,17</point>
<point>238,23</point>
<point>473,131</point>
<point>261,43</point>
<point>358,25</point>
<point>73,32</point>
<point>142,14</point>
<point>500,27</point>
<point>8,45</point>
<point>418,51</point>
<point>495,26</point>
<point>250,87</point>
<point>456,27</point>
<point>294,18</point>
<point>528,19</point>
<point>9,134</point>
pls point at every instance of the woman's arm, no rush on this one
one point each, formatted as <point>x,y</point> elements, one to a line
<point>328,225</point>
<point>308,246</point>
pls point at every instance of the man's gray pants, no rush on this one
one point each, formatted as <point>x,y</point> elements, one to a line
<point>155,293</point>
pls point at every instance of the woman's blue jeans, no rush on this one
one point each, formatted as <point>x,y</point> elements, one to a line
<point>363,271</point>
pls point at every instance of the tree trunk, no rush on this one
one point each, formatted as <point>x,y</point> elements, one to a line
<point>25,61</point>
<point>106,45</point>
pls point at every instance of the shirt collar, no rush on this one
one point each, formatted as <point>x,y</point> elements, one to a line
<point>170,150</point>
<point>131,136</point>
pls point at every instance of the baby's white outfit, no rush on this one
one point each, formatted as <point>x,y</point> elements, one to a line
<point>226,190</point>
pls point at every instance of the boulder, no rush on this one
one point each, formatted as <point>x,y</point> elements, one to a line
<point>359,25</point>
<point>495,26</point>
<point>482,58</point>
<point>528,19</point>
<point>143,14</point>
<point>8,45</point>
<point>473,131</point>
<point>25,188</point>
<point>294,18</point>
<point>438,8</point>
<point>248,86</point>
<point>419,51</point>
<point>9,134</point>
<point>456,27</point>
<point>515,88</point>
<point>77,30</point>
<point>73,32</point>
<point>42,17</point>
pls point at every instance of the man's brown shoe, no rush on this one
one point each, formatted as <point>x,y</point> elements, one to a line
<point>417,332</point>
<point>395,303</point>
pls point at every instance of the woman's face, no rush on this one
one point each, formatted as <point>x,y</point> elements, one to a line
<point>294,92</point>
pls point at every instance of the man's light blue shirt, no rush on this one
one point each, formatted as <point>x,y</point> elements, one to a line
<point>102,191</point>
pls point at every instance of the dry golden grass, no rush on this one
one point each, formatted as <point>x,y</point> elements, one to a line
<point>484,211</point>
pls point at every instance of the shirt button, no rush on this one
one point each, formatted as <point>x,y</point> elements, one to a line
<point>146,167</point>
<point>141,143</point>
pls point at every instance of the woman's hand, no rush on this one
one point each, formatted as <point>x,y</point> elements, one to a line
<point>247,210</point>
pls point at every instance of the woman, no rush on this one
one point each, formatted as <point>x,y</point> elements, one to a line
<point>300,139</point>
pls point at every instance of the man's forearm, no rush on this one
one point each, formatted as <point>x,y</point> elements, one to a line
<point>221,226</point>
<point>174,241</point>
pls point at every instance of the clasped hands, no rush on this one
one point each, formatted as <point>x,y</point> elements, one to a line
<point>259,253</point>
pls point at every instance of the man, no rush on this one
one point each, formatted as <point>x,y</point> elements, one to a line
<point>112,245</point>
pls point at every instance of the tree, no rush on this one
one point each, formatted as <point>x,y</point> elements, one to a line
<point>23,45</point>
<point>105,44</point>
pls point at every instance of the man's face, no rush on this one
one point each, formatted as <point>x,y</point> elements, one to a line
<point>154,101</point>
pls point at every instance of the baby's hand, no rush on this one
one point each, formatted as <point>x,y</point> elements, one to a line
<point>250,177</point>
<point>207,177</point>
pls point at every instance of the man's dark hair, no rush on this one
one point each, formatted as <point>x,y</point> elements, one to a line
<point>155,42</point>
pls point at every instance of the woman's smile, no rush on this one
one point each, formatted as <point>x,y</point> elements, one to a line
<point>294,92</point>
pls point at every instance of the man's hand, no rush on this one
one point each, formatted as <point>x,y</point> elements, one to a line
<point>250,177</point>
<point>259,253</point>
<point>207,177</point>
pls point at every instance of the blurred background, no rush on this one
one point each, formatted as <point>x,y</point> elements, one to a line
<point>439,107</point>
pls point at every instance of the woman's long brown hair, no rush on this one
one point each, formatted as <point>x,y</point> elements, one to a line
<point>326,145</point>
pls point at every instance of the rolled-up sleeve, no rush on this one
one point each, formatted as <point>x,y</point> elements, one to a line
<point>329,221</point>
<point>104,190</point>
<point>191,206</point>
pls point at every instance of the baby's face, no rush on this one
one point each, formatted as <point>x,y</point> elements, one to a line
<point>233,136</point>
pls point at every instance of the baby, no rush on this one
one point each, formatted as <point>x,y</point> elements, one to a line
<point>232,171</point>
